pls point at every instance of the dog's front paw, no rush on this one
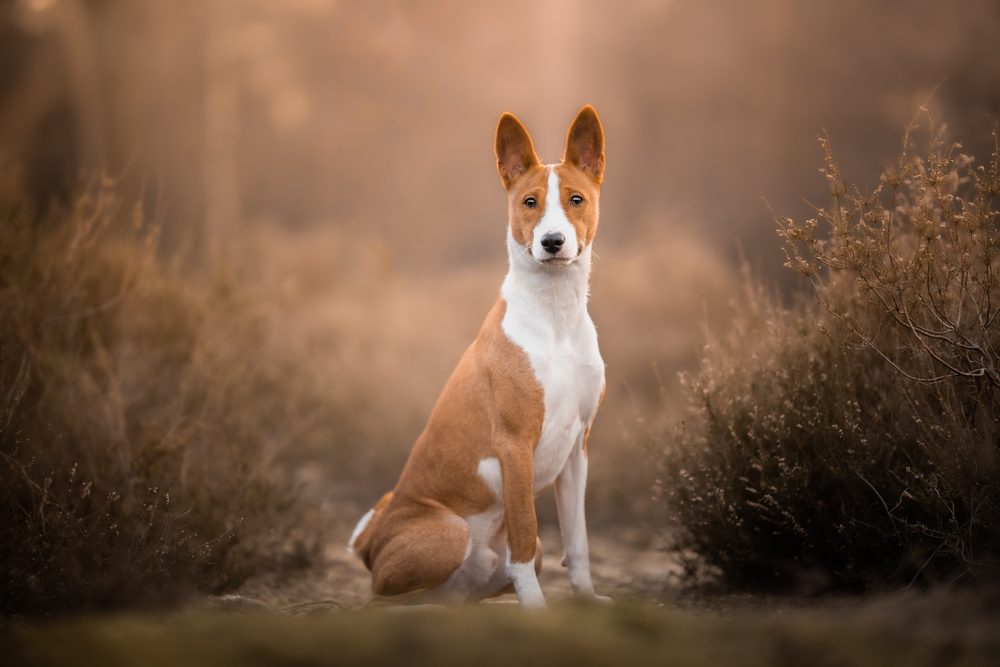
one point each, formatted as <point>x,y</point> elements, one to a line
<point>586,593</point>
<point>593,598</point>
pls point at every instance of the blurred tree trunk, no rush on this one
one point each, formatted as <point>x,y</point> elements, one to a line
<point>221,124</point>
<point>53,120</point>
<point>76,38</point>
<point>35,91</point>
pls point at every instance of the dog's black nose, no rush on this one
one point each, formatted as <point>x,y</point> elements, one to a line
<point>552,242</point>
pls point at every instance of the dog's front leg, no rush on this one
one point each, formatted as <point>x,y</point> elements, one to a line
<point>517,469</point>
<point>571,486</point>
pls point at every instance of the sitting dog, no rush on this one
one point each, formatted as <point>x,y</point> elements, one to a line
<point>516,413</point>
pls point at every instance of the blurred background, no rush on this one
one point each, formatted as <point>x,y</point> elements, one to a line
<point>341,153</point>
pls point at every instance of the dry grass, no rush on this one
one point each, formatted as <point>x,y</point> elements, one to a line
<point>855,439</point>
<point>143,410</point>
<point>923,249</point>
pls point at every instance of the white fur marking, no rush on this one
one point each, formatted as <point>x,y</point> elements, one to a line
<point>358,529</point>
<point>554,221</point>
<point>489,470</point>
<point>525,581</point>
<point>570,489</point>
<point>547,317</point>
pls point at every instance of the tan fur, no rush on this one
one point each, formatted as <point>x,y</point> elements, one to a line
<point>514,149</point>
<point>490,407</point>
<point>362,545</point>
<point>581,173</point>
<point>531,183</point>
<point>585,144</point>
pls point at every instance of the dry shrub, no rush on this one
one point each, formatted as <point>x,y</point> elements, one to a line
<point>923,248</point>
<point>143,407</point>
<point>854,439</point>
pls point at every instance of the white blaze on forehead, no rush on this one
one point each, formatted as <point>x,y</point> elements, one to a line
<point>554,221</point>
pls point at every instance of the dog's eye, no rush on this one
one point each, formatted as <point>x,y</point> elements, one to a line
<point>530,202</point>
<point>576,200</point>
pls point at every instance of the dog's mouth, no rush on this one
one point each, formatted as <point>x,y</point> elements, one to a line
<point>557,261</point>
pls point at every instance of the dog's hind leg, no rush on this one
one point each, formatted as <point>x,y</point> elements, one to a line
<point>423,551</point>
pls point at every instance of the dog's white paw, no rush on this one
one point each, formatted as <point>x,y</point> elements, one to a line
<point>588,595</point>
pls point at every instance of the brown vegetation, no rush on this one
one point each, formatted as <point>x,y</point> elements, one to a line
<point>143,411</point>
<point>856,439</point>
<point>330,238</point>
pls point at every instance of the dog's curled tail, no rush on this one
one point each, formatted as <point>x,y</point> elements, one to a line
<point>361,538</point>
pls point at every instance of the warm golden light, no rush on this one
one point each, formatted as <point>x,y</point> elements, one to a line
<point>243,244</point>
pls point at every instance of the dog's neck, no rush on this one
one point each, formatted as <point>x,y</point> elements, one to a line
<point>543,296</point>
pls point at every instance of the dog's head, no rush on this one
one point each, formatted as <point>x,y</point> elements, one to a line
<point>552,209</point>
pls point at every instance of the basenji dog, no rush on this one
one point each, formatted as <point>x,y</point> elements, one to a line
<point>515,415</point>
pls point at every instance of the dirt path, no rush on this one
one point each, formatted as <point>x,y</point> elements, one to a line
<point>624,565</point>
<point>652,623</point>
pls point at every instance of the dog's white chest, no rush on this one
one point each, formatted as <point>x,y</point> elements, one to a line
<point>571,373</point>
<point>568,365</point>
<point>546,316</point>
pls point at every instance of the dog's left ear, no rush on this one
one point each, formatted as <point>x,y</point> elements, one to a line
<point>585,143</point>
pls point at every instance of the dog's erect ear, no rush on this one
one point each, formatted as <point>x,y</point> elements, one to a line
<point>585,143</point>
<point>515,152</point>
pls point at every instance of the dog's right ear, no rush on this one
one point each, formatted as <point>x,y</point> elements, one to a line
<point>515,152</point>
